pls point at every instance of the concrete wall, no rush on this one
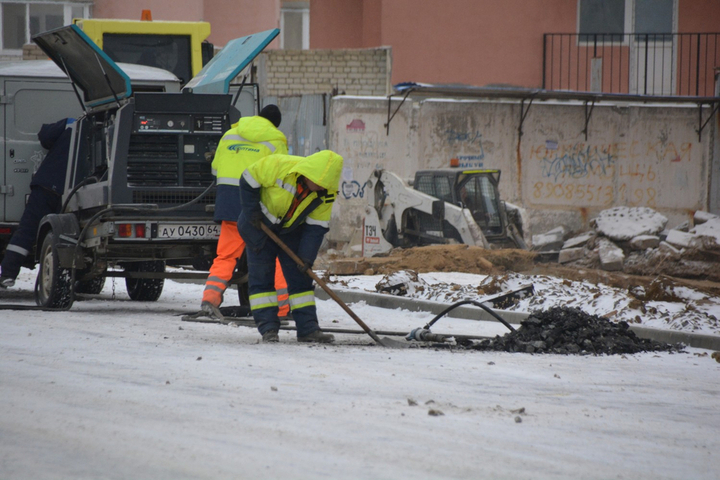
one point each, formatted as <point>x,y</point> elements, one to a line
<point>635,155</point>
<point>350,72</point>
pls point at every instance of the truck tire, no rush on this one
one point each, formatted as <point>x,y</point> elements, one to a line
<point>145,289</point>
<point>92,286</point>
<point>241,270</point>
<point>53,287</point>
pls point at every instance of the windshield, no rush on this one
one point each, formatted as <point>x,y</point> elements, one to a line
<point>478,194</point>
<point>170,52</point>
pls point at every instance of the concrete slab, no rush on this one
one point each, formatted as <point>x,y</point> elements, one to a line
<point>571,254</point>
<point>611,256</point>
<point>643,242</point>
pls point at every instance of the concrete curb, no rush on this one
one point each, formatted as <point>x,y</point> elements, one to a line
<point>696,340</point>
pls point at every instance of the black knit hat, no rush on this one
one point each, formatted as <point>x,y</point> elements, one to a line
<point>272,113</point>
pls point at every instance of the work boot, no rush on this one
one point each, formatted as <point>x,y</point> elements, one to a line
<point>271,336</point>
<point>6,282</point>
<point>317,337</point>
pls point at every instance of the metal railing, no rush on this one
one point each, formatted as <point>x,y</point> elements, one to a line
<point>667,64</point>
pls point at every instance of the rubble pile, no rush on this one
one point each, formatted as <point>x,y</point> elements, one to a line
<point>564,330</point>
<point>635,241</point>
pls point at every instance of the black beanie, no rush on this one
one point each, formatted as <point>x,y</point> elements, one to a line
<point>272,113</point>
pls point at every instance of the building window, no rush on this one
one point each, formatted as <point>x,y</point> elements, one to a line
<point>602,16</point>
<point>654,16</point>
<point>21,20</point>
<point>625,16</point>
<point>295,25</point>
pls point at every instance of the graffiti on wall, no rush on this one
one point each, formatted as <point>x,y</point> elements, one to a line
<point>603,175</point>
<point>364,150</point>
<point>469,143</point>
<point>353,189</point>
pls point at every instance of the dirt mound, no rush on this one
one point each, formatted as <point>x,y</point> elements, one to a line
<point>470,259</point>
<point>438,258</point>
<point>563,330</point>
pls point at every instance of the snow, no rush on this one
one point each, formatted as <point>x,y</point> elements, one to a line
<point>697,313</point>
<point>709,227</point>
<point>115,389</point>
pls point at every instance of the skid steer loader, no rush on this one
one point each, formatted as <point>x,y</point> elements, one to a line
<point>443,206</point>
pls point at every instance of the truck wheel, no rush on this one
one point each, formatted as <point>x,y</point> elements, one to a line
<point>92,286</point>
<point>241,270</point>
<point>145,289</point>
<point>53,287</point>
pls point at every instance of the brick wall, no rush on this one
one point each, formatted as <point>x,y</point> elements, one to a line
<point>350,72</point>
<point>30,51</point>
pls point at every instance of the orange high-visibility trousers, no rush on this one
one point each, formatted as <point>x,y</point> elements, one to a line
<point>231,247</point>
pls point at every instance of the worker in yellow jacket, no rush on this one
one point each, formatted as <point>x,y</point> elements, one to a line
<point>249,140</point>
<point>293,196</point>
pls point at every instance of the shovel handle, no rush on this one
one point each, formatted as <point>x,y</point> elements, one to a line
<point>320,282</point>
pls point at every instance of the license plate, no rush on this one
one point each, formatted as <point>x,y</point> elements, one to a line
<point>188,231</point>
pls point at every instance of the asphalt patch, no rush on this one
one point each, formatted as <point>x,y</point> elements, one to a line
<point>563,330</point>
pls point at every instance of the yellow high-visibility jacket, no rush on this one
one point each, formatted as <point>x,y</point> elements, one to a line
<point>247,141</point>
<point>276,178</point>
<point>268,190</point>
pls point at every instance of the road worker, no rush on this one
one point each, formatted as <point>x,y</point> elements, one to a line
<point>293,196</point>
<point>247,141</point>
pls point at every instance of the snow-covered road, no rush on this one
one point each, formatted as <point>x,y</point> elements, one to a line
<point>119,389</point>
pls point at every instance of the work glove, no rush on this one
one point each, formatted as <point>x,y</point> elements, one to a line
<point>249,229</point>
<point>256,219</point>
<point>306,265</point>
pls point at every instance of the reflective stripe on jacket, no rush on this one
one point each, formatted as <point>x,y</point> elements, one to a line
<point>279,174</point>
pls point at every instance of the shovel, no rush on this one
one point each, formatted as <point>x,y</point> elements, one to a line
<point>384,342</point>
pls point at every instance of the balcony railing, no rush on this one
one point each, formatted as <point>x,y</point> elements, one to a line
<point>668,64</point>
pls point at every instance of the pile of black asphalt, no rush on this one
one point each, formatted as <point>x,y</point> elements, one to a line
<point>563,330</point>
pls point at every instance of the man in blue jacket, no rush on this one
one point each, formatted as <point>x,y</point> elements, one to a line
<point>46,189</point>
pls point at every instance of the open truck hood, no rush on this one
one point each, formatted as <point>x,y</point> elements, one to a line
<point>215,77</point>
<point>100,79</point>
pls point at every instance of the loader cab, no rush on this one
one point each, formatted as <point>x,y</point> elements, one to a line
<point>476,190</point>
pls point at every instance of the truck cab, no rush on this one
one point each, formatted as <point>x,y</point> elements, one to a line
<point>139,190</point>
<point>180,47</point>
